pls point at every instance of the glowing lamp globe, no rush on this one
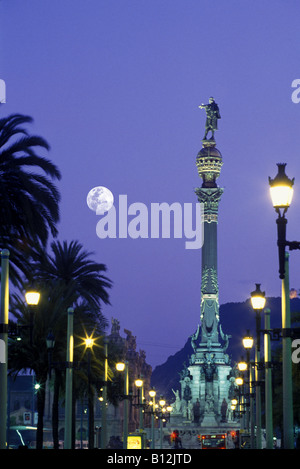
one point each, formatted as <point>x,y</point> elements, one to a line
<point>258,299</point>
<point>281,189</point>
<point>239,381</point>
<point>32,297</point>
<point>120,366</point>
<point>242,366</point>
<point>248,342</point>
<point>89,342</point>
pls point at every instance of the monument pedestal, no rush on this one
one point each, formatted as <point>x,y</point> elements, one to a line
<point>209,420</point>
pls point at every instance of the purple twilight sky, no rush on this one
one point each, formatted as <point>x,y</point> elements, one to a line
<point>114,86</point>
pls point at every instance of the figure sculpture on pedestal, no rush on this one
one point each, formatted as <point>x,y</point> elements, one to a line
<point>212,116</point>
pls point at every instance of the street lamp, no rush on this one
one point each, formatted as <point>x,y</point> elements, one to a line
<point>248,344</point>
<point>124,367</point>
<point>89,343</point>
<point>268,382</point>
<point>152,394</point>
<point>32,298</point>
<point>69,380</point>
<point>242,365</point>
<point>239,381</point>
<point>104,397</point>
<point>140,386</point>
<point>281,189</point>
<point>258,301</point>
<point>162,404</point>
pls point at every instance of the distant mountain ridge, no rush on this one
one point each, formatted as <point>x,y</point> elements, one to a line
<point>235,319</point>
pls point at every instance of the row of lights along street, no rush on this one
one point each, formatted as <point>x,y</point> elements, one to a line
<point>281,190</point>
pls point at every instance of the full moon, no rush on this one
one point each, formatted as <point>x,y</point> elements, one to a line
<point>100,200</point>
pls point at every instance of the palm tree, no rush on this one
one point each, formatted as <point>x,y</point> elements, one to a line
<point>83,286</point>
<point>29,208</point>
<point>70,264</point>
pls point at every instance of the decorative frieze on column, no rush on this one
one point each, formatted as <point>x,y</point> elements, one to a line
<point>210,199</point>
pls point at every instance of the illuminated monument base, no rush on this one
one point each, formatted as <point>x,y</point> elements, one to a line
<point>207,383</point>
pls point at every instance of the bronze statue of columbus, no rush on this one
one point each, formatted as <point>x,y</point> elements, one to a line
<point>212,116</point>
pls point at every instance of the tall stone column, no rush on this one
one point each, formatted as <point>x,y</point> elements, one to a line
<point>208,383</point>
<point>209,365</point>
<point>209,163</point>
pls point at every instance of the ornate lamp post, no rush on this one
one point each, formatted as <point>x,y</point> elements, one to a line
<point>89,342</point>
<point>268,382</point>
<point>124,367</point>
<point>162,404</point>
<point>248,344</point>
<point>152,394</point>
<point>258,302</point>
<point>32,299</point>
<point>281,190</point>
<point>140,387</point>
<point>69,381</point>
<point>104,396</point>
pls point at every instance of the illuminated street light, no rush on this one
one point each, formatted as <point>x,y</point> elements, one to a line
<point>103,436</point>
<point>248,344</point>
<point>152,394</point>
<point>140,388</point>
<point>138,383</point>
<point>281,188</point>
<point>239,381</point>
<point>258,301</point>
<point>32,298</point>
<point>124,367</point>
<point>242,366</point>
<point>89,342</point>
<point>69,381</point>
<point>120,366</point>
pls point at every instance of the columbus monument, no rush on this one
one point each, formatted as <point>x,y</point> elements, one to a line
<point>207,382</point>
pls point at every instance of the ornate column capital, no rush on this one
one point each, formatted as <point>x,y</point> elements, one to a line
<point>210,198</point>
